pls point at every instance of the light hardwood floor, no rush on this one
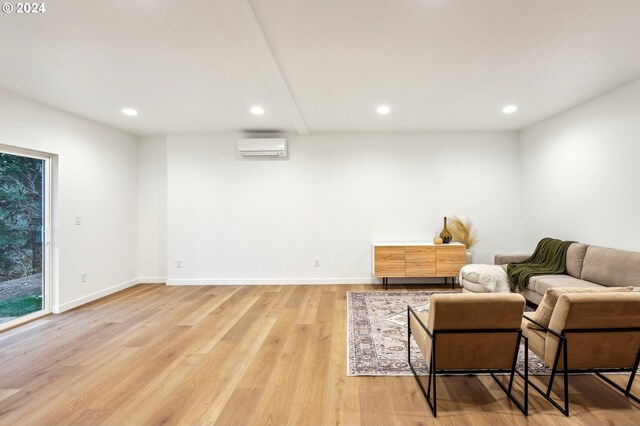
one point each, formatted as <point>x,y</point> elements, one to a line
<point>250,355</point>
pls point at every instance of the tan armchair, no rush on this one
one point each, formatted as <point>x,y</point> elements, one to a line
<point>589,332</point>
<point>469,333</point>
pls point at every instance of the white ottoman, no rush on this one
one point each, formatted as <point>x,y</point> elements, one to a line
<point>476,278</point>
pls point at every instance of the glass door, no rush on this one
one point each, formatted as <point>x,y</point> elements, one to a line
<point>24,219</point>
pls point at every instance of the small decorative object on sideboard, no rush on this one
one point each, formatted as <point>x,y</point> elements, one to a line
<point>437,240</point>
<point>445,234</point>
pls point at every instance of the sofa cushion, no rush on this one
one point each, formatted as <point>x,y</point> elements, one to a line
<point>575,259</point>
<point>550,298</point>
<point>611,267</point>
<point>556,281</point>
<point>534,280</point>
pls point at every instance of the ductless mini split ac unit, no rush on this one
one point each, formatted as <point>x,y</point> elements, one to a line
<point>263,147</point>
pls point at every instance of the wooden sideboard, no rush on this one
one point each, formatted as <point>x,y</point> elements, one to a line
<point>417,259</point>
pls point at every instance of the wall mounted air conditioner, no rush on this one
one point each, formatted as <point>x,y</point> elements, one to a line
<point>263,147</point>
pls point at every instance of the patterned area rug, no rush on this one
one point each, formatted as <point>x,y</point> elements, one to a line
<point>377,334</point>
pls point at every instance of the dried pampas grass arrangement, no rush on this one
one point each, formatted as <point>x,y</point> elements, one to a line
<point>462,231</point>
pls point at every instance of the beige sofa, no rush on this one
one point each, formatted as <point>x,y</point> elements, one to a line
<point>587,266</point>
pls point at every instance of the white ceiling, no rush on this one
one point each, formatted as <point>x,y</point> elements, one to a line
<point>319,65</point>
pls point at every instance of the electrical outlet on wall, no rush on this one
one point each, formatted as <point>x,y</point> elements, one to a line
<point>78,220</point>
<point>83,277</point>
<point>316,262</point>
<point>178,263</point>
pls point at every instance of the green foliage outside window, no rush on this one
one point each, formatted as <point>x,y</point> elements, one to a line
<point>20,216</point>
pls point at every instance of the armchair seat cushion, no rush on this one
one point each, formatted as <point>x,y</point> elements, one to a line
<point>536,337</point>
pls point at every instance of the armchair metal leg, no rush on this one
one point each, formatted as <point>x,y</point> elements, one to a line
<point>566,380</point>
<point>550,400</point>
<point>547,394</point>
<point>432,371</point>
<point>427,393</point>
<point>524,406</point>
<point>627,391</point>
<point>433,368</point>
<point>432,380</point>
<point>526,375</point>
<point>515,361</point>
<point>554,369</point>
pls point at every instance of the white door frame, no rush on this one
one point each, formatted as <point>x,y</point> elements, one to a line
<point>47,275</point>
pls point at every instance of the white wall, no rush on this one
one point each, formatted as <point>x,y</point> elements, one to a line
<point>152,202</point>
<point>97,179</point>
<point>581,173</point>
<point>146,204</point>
<point>241,221</point>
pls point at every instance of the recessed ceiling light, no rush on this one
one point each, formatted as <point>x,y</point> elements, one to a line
<point>509,109</point>
<point>256,110</point>
<point>383,109</point>
<point>130,112</point>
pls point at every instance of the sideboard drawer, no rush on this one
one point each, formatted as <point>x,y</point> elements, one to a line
<point>420,261</point>
<point>390,261</point>
<point>449,260</point>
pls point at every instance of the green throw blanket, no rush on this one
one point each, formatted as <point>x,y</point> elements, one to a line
<point>550,257</point>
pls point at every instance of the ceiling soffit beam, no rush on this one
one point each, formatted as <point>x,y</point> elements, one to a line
<point>242,18</point>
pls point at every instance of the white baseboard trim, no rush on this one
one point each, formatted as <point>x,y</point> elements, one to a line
<point>152,280</point>
<point>273,281</point>
<point>58,309</point>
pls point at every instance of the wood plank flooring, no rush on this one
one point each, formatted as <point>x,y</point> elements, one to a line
<point>254,355</point>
